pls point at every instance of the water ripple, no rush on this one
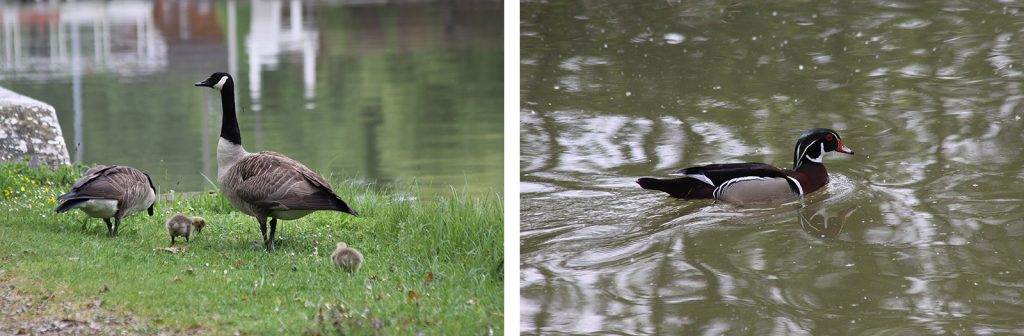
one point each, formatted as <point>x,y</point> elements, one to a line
<point>918,233</point>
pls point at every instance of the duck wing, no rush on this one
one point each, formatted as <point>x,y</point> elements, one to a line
<point>717,174</point>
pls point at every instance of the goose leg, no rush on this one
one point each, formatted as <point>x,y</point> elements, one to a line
<point>172,240</point>
<point>262,227</point>
<point>117,223</point>
<point>273,227</point>
<point>110,227</point>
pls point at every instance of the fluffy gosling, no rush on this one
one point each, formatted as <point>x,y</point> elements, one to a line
<point>181,225</point>
<point>347,258</point>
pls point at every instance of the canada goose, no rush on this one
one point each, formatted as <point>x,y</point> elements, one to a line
<point>110,191</point>
<point>265,184</point>
<point>183,226</point>
<point>347,258</point>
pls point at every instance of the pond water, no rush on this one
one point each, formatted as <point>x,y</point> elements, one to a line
<point>921,232</point>
<point>395,94</point>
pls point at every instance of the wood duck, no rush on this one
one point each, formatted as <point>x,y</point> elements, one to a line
<point>753,182</point>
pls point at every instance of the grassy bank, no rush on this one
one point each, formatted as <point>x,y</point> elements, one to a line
<point>432,264</point>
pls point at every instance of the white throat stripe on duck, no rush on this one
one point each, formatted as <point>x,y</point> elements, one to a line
<point>804,152</point>
<point>220,83</point>
<point>820,154</point>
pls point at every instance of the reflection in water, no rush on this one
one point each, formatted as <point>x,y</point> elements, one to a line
<point>820,223</point>
<point>427,75</point>
<point>922,230</point>
<point>269,38</point>
<point>121,38</point>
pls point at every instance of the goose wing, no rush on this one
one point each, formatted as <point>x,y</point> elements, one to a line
<point>95,184</point>
<point>125,184</point>
<point>276,182</point>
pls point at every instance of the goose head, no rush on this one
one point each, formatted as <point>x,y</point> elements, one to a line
<point>198,223</point>
<point>216,81</point>
<point>814,143</point>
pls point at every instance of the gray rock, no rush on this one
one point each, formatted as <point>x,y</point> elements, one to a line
<point>29,131</point>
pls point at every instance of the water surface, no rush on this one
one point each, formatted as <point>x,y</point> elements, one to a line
<point>920,232</point>
<point>408,92</point>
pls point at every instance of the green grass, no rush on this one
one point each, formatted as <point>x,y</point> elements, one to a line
<point>433,264</point>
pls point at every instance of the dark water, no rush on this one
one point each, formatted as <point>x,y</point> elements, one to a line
<point>408,92</point>
<point>920,233</point>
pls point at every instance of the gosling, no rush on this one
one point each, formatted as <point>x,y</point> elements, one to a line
<point>181,225</point>
<point>347,258</point>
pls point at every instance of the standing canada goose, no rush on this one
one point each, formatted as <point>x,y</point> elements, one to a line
<point>110,191</point>
<point>183,226</point>
<point>265,184</point>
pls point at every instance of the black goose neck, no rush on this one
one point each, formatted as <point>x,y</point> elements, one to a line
<point>229,124</point>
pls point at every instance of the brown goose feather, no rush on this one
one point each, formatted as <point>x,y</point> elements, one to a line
<point>273,182</point>
<point>129,186</point>
<point>110,192</point>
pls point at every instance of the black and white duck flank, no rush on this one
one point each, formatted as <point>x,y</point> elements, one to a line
<point>265,184</point>
<point>110,192</point>
<point>753,182</point>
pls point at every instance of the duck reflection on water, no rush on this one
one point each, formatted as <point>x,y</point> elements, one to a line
<point>817,220</point>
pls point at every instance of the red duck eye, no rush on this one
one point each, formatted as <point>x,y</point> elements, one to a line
<point>828,137</point>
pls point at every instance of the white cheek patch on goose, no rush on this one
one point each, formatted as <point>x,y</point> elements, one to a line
<point>220,83</point>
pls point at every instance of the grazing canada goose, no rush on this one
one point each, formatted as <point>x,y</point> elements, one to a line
<point>183,226</point>
<point>265,184</point>
<point>347,258</point>
<point>110,191</point>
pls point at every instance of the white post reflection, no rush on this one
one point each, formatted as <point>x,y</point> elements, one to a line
<point>269,38</point>
<point>232,38</point>
<point>76,90</point>
<point>122,34</point>
<point>123,41</point>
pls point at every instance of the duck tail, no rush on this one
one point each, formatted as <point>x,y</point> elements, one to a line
<point>683,187</point>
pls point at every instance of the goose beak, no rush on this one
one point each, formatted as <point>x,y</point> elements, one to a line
<point>205,83</point>
<point>844,149</point>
